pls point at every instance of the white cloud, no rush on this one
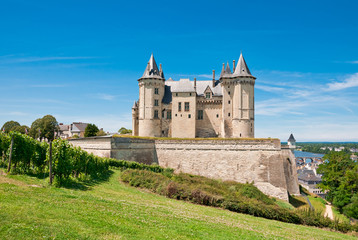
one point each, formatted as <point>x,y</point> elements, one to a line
<point>49,86</point>
<point>351,81</point>
<point>106,97</point>
<point>270,89</point>
<point>6,59</point>
<point>13,113</point>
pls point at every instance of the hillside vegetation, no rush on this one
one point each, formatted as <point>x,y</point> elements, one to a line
<point>109,209</point>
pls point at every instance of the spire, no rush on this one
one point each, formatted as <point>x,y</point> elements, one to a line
<point>225,71</point>
<point>291,138</point>
<point>241,68</point>
<point>134,105</point>
<point>228,70</point>
<point>152,70</point>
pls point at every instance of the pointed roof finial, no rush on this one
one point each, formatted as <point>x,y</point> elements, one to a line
<point>291,138</point>
<point>241,68</point>
<point>152,70</point>
<point>228,70</point>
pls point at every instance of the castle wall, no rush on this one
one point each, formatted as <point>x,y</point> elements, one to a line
<point>184,122</point>
<point>209,126</point>
<point>259,160</point>
<point>99,146</point>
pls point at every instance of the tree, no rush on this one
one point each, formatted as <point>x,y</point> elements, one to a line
<point>49,127</point>
<point>44,128</point>
<point>340,178</point>
<point>35,131</point>
<point>124,130</point>
<point>21,129</point>
<point>91,130</point>
<point>8,126</point>
<point>101,133</point>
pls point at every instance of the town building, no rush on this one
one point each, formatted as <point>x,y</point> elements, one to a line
<point>221,107</point>
<point>70,130</point>
<point>309,179</point>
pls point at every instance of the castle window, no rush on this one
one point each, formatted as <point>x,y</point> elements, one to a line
<point>156,102</point>
<point>156,90</point>
<point>200,114</point>
<point>169,114</point>
<point>189,115</point>
<point>162,114</point>
<point>189,94</point>
<point>179,106</point>
<point>229,93</point>
<point>217,115</point>
<point>176,94</point>
<point>207,95</point>
<point>228,102</point>
<point>186,106</point>
<point>228,114</point>
<point>156,114</point>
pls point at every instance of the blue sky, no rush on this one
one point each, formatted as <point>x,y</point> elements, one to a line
<point>80,60</point>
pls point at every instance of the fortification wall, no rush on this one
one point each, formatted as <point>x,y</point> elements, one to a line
<point>260,161</point>
<point>99,146</point>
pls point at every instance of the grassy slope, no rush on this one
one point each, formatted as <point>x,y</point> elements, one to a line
<point>320,205</point>
<point>112,210</point>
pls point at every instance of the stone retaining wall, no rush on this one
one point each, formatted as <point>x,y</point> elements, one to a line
<point>260,161</point>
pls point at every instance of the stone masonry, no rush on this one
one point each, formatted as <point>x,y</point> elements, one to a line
<point>261,161</point>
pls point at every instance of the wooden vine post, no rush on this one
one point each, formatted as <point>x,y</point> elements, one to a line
<point>10,155</point>
<point>50,162</point>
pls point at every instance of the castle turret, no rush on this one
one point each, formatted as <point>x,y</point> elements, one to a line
<point>243,101</point>
<point>227,84</point>
<point>291,142</point>
<point>238,101</point>
<point>151,92</point>
<point>135,119</point>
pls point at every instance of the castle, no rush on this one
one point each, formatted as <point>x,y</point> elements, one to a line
<point>195,109</point>
<point>192,111</point>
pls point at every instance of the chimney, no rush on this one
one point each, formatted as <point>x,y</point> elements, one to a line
<point>234,66</point>
<point>213,78</point>
<point>160,68</point>
<point>195,84</point>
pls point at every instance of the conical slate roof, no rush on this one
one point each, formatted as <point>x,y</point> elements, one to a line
<point>152,70</point>
<point>241,68</point>
<point>225,71</point>
<point>228,70</point>
<point>135,104</point>
<point>291,138</point>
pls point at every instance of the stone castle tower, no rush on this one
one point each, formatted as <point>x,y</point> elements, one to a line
<point>188,109</point>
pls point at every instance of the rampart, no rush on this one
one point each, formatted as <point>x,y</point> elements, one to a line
<point>261,161</point>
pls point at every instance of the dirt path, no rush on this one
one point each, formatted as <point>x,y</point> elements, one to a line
<point>328,212</point>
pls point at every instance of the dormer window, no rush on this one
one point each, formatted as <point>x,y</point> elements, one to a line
<point>207,95</point>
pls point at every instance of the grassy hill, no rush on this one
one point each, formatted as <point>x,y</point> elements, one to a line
<point>30,209</point>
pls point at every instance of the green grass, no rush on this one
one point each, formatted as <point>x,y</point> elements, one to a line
<point>30,209</point>
<point>341,217</point>
<point>318,203</point>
